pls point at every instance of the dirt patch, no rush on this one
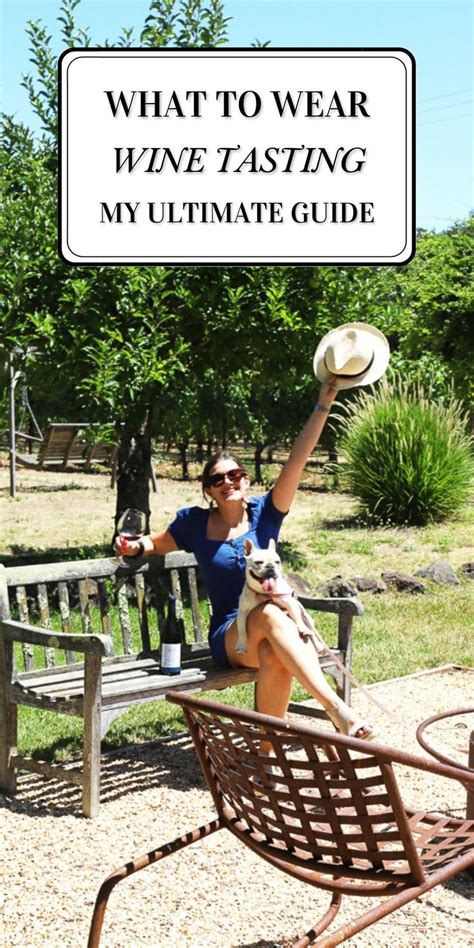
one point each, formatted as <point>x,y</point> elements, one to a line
<point>216,893</point>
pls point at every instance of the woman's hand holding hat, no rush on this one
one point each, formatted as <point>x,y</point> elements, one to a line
<point>355,354</point>
<point>327,394</point>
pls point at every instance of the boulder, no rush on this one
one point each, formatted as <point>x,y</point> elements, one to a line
<point>374,586</point>
<point>467,569</point>
<point>440,572</point>
<point>298,583</point>
<point>402,582</point>
<point>337,587</point>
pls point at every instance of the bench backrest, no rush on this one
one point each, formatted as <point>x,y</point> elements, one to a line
<point>102,596</point>
<point>56,447</point>
<point>331,804</point>
<point>65,444</point>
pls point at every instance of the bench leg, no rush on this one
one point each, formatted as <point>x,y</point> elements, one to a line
<point>8,746</point>
<point>92,712</point>
<point>345,644</point>
<point>8,721</point>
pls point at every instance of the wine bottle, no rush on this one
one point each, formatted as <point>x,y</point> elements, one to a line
<point>170,646</point>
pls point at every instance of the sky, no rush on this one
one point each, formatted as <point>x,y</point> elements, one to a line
<point>439,34</point>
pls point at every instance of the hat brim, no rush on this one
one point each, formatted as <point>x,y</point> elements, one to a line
<point>375,371</point>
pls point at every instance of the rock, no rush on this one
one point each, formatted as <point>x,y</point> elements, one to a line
<point>337,587</point>
<point>298,583</point>
<point>374,586</point>
<point>403,582</point>
<point>440,572</point>
<point>467,569</point>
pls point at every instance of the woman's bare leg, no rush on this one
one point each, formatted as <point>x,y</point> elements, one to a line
<point>275,647</point>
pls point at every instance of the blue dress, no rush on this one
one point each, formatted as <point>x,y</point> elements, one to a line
<point>222,562</point>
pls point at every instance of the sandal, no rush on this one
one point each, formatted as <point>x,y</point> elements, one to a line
<point>344,721</point>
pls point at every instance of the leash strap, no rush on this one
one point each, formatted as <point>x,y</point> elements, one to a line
<point>335,658</point>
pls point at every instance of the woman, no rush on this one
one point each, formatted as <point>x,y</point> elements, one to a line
<point>216,537</point>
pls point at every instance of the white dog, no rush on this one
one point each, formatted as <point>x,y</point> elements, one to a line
<point>264,582</point>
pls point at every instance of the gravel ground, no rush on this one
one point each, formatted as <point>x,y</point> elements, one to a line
<point>216,893</point>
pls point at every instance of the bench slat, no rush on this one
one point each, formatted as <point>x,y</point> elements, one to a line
<point>158,587</point>
<point>91,569</point>
<point>142,612</point>
<point>60,705</point>
<point>124,617</point>
<point>214,679</point>
<point>104,607</point>
<point>194,596</point>
<point>43,607</point>
<point>64,609</point>
<point>63,672</point>
<point>24,616</point>
<point>85,606</point>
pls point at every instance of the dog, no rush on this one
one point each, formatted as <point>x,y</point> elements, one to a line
<point>264,582</point>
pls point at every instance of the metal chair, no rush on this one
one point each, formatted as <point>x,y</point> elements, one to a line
<point>328,811</point>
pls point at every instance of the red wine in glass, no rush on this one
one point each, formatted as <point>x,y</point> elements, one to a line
<point>131,526</point>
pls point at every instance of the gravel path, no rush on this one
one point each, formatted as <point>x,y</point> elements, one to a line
<point>216,893</point>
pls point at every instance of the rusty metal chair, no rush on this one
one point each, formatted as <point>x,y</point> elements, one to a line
<point>328,811</point>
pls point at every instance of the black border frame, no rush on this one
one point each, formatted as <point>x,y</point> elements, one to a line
<point>212,262</point>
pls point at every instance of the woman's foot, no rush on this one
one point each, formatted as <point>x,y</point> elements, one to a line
<point>344,720</point>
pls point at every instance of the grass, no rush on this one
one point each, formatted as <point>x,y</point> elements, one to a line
<point>324,535</point>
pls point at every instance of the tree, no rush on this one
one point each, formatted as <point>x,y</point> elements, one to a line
<point>437,293</point>
<point>107,334</point>
<point>168,351</point>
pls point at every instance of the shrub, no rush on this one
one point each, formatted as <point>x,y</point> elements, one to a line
<point>409,457</point>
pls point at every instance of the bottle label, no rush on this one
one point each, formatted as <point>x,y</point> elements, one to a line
<point>171,658</point>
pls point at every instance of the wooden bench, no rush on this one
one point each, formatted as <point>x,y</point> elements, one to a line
<point>65,444</point>
<point>98,650</point>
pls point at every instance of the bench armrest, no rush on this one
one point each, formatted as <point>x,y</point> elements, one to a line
<point>342,606</point>
<point>12,631</point>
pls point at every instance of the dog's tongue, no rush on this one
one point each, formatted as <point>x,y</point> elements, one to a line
<point>268,584</point>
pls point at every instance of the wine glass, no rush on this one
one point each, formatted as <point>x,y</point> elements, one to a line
<point>131,526</point>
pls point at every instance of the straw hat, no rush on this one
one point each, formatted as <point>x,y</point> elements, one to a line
<point>357,353</point>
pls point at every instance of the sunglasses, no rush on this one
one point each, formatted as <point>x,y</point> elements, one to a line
<point>236,474</point>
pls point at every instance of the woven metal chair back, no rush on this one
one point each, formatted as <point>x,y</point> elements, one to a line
<point>321,804</point>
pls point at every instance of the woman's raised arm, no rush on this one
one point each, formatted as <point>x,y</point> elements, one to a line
<point>289,478</point>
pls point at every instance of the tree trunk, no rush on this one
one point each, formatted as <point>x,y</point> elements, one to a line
<point>258,463</point>
<point>182,448</point>
<point>200,451</point>
<point>333,465</point>
<point>133,472</point>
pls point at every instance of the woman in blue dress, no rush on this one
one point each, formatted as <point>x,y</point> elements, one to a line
<point>216,536</point>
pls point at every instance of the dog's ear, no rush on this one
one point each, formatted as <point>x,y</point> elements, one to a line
<point>248,547</point>
<point>272,545</point>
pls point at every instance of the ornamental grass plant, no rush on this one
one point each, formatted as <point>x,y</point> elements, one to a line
<point>409,457</point>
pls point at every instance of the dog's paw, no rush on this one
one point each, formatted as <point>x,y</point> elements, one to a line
<point>241,648</point>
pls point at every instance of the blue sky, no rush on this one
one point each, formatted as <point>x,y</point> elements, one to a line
<point>439,34</point>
